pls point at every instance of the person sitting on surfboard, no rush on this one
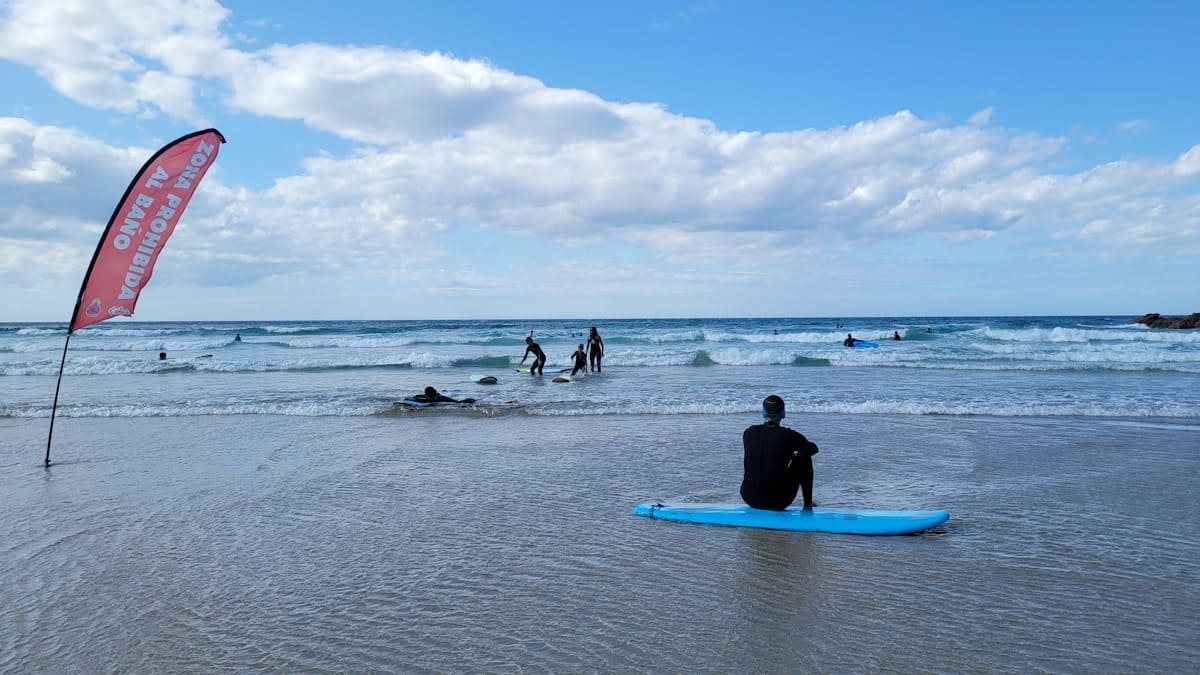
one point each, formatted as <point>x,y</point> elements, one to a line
<point>595,349</point>
<point>777,462</point>
<point>581,363</point>
<point>539,356</point>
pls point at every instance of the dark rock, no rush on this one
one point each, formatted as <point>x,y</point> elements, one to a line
<point>1156,320</point>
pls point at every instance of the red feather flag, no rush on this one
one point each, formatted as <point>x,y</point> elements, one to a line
<point>136,233</point>
<point>140,226</point>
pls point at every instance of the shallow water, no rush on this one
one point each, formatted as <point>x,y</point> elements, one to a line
<point>451,542</point>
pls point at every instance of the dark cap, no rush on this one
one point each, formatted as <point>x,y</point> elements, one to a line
<point>773,407</point>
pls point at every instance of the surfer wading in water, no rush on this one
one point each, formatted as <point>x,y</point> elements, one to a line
<point>539,356</point>
<point>580,361</point>
<point>778,462</point>
<point>595,348</point>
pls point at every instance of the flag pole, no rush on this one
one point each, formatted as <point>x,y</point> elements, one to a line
<point>58,386</point>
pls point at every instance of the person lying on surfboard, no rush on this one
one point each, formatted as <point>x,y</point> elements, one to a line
<point>777,462</point>
<point>432,395</point>
<point>581,363</point>
<point>539,356</point>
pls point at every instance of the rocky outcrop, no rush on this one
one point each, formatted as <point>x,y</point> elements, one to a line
<point>1156,321</point>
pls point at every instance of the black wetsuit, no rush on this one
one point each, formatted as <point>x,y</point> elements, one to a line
<point>437,398</point>
<point>580,362</point>
<point>539,358</point>
<point>595,347</point>
<point>778,463</point>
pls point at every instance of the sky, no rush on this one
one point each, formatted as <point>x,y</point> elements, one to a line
<point>546,159</point>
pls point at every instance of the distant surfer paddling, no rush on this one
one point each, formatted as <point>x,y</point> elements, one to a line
<point>595,348</point>
<point>539,356</point>
<point>777,462</point>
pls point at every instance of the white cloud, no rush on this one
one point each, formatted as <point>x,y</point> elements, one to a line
<point>57,172</point>
<point>981,118</point>
<point>1188,164</point>
<point>126,55</point>
<point>447,143</point>
<point>1133,126</point>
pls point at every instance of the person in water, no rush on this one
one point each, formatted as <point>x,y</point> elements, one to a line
<point>432,395</point>
<point>595,347</point>
<point>849,341</point>
<point>539,356</point>
<point>581,362</point>
<point>237,337</point>
<point>777,462</point>
<point>896,335</point>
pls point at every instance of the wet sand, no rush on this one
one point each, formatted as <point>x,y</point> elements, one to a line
<point>458,543</point>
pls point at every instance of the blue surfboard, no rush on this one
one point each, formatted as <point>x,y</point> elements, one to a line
<point>863,344</point>
<point>796,520</point>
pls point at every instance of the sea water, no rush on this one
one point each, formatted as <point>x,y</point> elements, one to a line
<point>261,504</point>
<point>1040,366</point>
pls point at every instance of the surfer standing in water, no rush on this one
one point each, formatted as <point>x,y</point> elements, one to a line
<point>539,356</point>
<point>595,347</point>
<point>580,361</point>
<point>777,462</point>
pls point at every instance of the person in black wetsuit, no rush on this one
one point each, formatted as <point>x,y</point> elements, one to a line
<point>850,340</point>
<point>896,335</point>
<point>595,348</point>
<point>777,463</point>
<point>432,395</point>
<point>581,363</point>
<point>539,356</point>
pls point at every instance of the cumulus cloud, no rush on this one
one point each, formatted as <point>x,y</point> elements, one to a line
<point>133,56</point>
<point>57,174</point>
<point>443,142</point>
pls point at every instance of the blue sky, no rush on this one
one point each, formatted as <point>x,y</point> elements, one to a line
<point>623,159</point>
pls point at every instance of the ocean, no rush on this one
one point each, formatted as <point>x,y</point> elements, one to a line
<point>262,505</point>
